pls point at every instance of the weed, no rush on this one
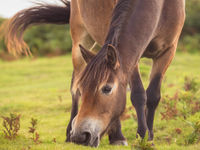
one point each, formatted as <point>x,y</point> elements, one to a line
<point>178,130</point>
<point>11,125</point>
<point>143,144</point>
<point>168,139</point>
<point>26,148</point>
<point>185,109</point>
<point>196,107</point>
<point>194,137</point>
<point>190,103</point>
<point>54,140</point>
<point>190,84</point>
<point>60,98</point>
<point>32,130</point>
<point>182,103</point>
<point>170,106</point>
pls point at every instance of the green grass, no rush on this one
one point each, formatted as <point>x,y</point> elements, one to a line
<point>40,88</point>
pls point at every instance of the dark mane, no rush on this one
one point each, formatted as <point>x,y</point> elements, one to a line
<point>97,70</point>
<point>95,73</point>
<point>119,19</point>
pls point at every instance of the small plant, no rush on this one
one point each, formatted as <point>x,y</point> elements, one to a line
<point>26,148</point>
<point>185,110</point>
<point>196,107</point>
<point>178,130</point>
<point>11,126</point>
<point>143,144</point>
<point>194,137</point>
<point>190,103</point>
<point>54,140</point>
<point>190,84</point>
<point>170,106</point>
<point>32,130</point>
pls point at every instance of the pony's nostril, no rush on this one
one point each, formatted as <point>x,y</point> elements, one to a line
<point>83,138</point>
<point>87,136</point>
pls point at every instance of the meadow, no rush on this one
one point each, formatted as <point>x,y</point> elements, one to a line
<point>39,88</point>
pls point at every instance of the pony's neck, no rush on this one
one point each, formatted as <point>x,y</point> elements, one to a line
<point>119,18</point>
<point>132,31</point>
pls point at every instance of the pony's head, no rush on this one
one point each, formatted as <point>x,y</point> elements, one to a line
<point>103,92</point>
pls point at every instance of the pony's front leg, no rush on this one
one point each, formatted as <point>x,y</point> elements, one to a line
<point>75,99</point>
<point>138,99</point>
<point>79,36</point>
<point>115,134</point>
<point>159,68</point>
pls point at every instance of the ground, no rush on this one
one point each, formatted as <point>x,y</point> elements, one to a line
<point>40,89</point>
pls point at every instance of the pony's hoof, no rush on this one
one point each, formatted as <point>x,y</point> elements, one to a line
<point>120,142</point>
<point>67,140</point>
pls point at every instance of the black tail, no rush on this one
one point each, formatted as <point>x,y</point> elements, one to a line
<point>14,28</point>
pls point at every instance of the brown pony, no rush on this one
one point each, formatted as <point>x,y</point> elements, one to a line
<point>126,30</point>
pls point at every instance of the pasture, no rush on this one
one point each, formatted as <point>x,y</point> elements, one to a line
<point>40,89</point>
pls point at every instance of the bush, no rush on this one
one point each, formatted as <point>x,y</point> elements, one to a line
<point>192,23</point>
<point>189,43</point>
<point>11,126</point>
<point>194,137</point>
<point>46,39</point>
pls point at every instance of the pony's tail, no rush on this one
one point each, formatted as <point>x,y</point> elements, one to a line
<point>13,29</point>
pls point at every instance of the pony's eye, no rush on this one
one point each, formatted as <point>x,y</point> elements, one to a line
<point>106,89</point>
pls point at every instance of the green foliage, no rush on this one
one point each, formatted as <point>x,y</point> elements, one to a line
<point>11,126</point>
<point>46,40</point>
<point>190,43</point>
<point>170,107</point>
<point>143,144</point>
<point>184,102</point>
<point>2,45</point>
<point>194,137</point>
<point>49,39</point>
<point>32,130</point>
<point>190,84</point>
<point>192,23</point>
<point>1,20</point>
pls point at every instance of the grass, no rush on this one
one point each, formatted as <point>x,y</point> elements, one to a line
<point>40,89</point>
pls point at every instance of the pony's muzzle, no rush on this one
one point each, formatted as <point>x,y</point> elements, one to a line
<point>87,133</point>
<point>81,138</point>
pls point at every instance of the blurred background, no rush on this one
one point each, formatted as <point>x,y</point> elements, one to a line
<point>53,40</point>
<point>39,89</point>
<point>43,40</point>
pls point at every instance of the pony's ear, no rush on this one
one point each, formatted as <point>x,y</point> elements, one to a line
<point>87,55</point>
<point>112,57</point>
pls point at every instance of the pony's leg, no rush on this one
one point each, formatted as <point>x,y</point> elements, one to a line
<point>78,64</point>
<point>74,110</point>
<point>138,99</point>
<point>115,134</point>
<point>79,36</point>
<point>159,68</point>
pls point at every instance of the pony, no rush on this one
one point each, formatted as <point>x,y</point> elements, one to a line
<point>124,31</point>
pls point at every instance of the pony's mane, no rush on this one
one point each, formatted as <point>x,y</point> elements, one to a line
<point>119,19</point>
<point>96,72</point>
